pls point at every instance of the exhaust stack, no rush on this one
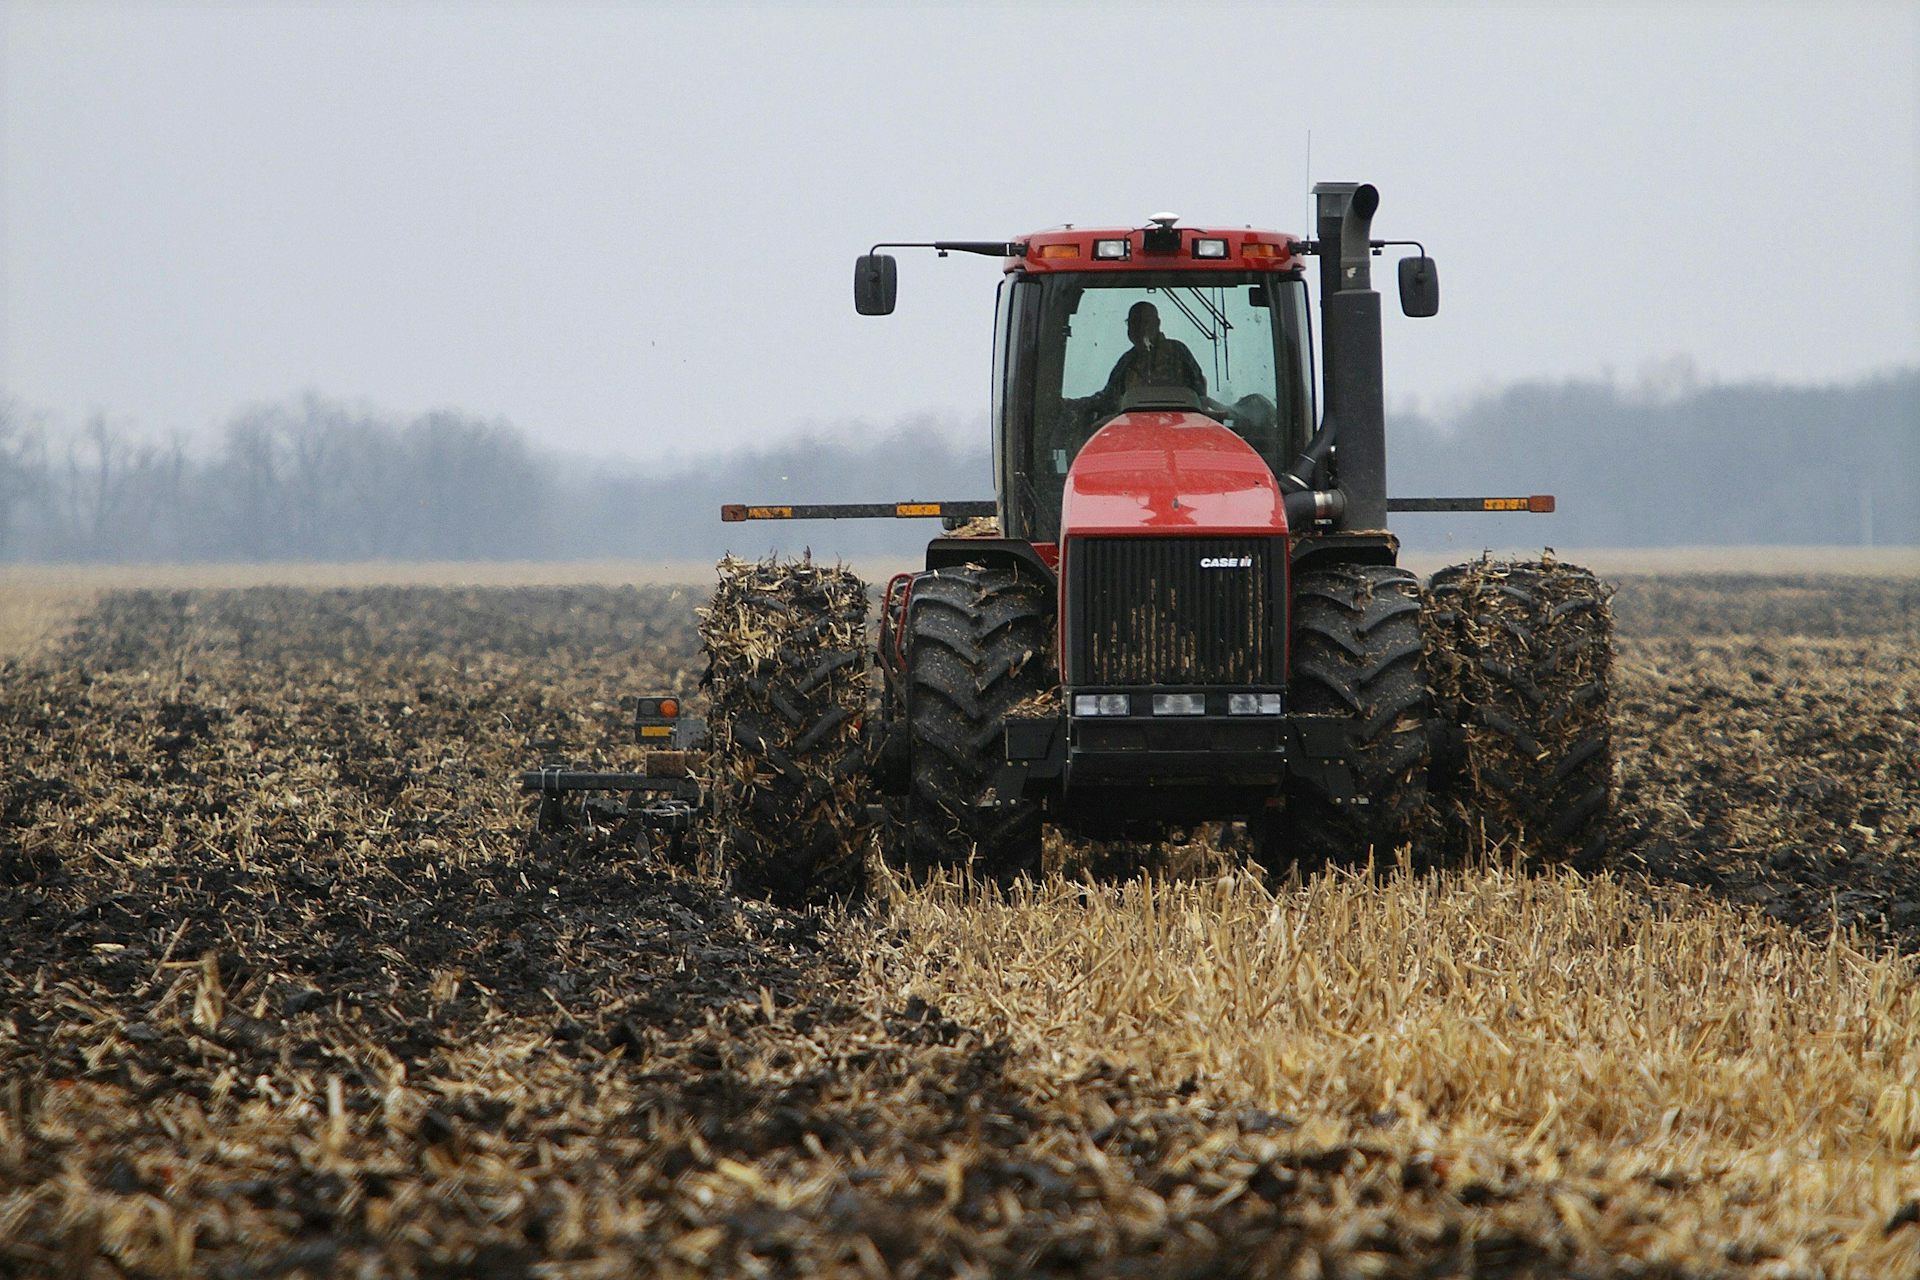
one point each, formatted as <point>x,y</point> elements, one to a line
<point>1350,361</point>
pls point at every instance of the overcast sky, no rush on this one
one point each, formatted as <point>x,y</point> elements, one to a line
<point>631,228</point>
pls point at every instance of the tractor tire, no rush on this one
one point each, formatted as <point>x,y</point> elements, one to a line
<point>1357,653</point>
<point>788,673</point>
<point>1521,658</point>
<point>979,643</point>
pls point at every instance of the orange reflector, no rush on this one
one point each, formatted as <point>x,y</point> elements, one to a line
<point>1503,504</point>
<point>656,730</point>
<point>1059,251</point>
<point>669,707</point>
<point>1542,503</point>
<point>916,508</point>
<point>1254,249</point>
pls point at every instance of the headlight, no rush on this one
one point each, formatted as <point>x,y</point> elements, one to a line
<point>1253,704</point>
<point>1102,704</point>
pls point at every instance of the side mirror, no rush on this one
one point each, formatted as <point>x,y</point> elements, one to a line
<point>875,280</point>
<point>1419,287</point>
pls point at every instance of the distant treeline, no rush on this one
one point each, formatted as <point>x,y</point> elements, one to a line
<point>307,480</point>
<point>314,479</point>
<point>1726,465</point>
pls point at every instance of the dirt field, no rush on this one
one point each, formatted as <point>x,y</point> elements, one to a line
<point>287,988</point>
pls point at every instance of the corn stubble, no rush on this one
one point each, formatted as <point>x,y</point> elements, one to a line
<point>288,988</point>
<point>1623,1075</point>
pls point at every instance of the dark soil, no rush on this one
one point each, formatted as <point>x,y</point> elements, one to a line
<point>288,988</point>
<point>1769,747</point>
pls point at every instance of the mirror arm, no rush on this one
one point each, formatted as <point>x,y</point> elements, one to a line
<point>988,248</point>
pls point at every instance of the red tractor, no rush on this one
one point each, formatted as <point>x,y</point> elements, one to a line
<point>1183,604</point>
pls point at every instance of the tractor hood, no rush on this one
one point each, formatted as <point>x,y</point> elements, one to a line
<point>1169,473</point>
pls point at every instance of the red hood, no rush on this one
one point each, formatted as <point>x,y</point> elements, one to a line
<point>1170,473</point>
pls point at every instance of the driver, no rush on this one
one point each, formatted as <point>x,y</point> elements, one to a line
<point>1152,361</point>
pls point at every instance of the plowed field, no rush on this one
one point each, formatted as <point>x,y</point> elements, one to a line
<point>287,987</point>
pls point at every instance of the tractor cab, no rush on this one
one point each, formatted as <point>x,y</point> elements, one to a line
<point>1094,324</point>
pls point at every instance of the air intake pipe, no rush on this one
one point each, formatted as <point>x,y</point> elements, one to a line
<point>1355,415</point>
<point>1309,506</point>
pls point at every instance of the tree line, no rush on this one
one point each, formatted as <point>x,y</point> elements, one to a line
<point>310,479</point>
<point>315,479</point>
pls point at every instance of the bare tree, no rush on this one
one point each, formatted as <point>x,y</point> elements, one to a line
<point>119,496</point>
<point>22,470</point>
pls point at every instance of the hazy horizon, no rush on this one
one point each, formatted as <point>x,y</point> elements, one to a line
<point>629,230</point>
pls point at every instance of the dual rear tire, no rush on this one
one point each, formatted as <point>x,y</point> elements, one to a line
<point>788,673</point>
<point>1520,656</point>
<point>1357,654</point>
<point>1481,713</point>
<point>979,643</point>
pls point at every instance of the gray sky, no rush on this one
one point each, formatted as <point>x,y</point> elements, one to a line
<point>631,229</point>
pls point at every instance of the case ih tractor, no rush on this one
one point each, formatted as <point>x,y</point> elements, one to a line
<point>1182,605</point>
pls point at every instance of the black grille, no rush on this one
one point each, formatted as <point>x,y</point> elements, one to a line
<point>1174,611</point>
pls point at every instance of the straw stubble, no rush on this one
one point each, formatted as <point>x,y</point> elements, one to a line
<point>289,987</point>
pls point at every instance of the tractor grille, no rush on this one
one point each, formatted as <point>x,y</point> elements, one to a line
<point>1175,611</point>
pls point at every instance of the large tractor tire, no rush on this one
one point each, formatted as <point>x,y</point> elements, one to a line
<point>979,643</point>
<point>1357,653</point>
<point>1521,657</point>
<point>789,676</point>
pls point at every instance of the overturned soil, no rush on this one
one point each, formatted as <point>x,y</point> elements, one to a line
<point>288,986</point>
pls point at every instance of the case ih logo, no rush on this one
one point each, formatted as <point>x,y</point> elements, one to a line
<point>1226,562</point>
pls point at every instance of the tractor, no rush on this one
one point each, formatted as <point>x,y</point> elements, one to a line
<point>1182,605</point>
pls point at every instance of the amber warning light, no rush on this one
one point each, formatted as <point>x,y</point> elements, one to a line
<point>654,717</point>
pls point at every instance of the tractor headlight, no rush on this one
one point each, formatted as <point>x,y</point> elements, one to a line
<point>1253,704</point>
<point>1110,249</point>
<point>1179,704</point>
<point>1102,704</point>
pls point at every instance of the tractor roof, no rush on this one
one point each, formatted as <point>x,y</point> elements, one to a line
<point>1160,247</point>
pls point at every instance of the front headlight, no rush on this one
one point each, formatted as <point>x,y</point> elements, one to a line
<point>1102,704</point>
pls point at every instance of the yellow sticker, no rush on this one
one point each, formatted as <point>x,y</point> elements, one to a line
<point>656,730</point>
<point>916,508</point>
<point>769,513</point>
<point>1503,504</point>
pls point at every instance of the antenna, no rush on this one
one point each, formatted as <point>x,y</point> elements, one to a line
<point>1309,222</point>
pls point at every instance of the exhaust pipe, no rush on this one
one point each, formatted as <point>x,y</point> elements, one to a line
<point>1355,415</point>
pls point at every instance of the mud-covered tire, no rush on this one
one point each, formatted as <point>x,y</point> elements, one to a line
<point>1520,655</point>
<point>979,643</point>
<point>1357,652</point>
<point>788,672</point>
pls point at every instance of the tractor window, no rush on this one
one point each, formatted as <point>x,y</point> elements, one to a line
<point>1236,342</point>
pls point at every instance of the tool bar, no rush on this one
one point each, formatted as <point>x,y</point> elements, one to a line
<point>1538,504</point>
<point>734,512</point>
<point>552,781</point>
